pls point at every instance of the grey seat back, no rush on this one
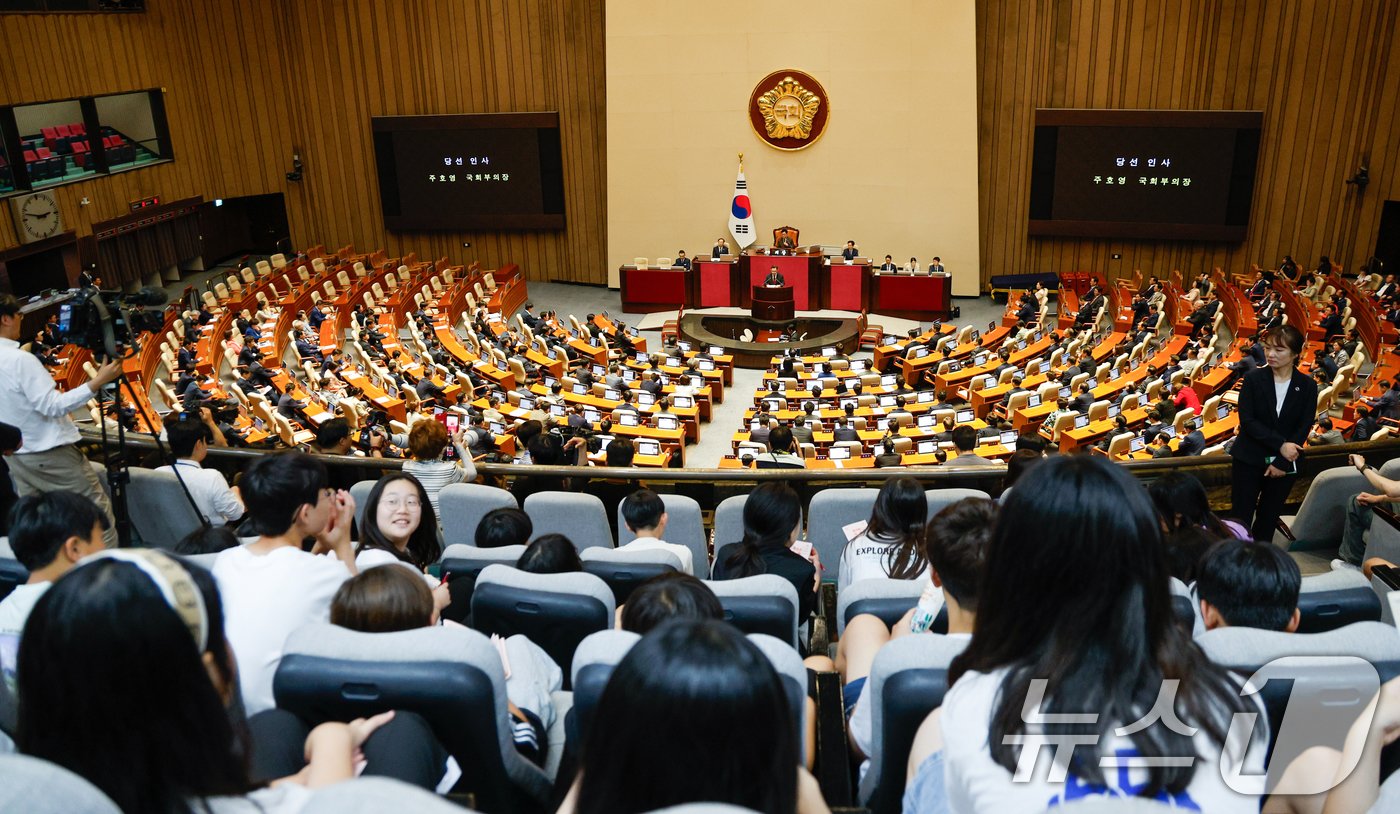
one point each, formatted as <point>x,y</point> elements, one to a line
<point>940,499</point>
<point>372,795</point>
<point>1336,599</point>
<point>763,603</point>
<point>451,676</point>
<point>580,517</point>
<point>37,786</point>
<point>601,652</point>
<point>1320,518</point>
<point>830,512</point>
<point>359,490</point>
<point>160,511</point>
<point>461,564</point>
<point>462,505</point>
<point>889,599</point>
<point>555,611</point>
<point>1327,674</point>
<point>908,680</point>
<point>623,571</point>
<point>684,526</point>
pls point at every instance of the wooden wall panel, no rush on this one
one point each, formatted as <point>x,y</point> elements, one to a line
<point>1319,69</point>
<point>249,83</point>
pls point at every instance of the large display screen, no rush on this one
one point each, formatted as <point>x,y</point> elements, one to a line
<point>491,170</point>
<point>1148,174</point>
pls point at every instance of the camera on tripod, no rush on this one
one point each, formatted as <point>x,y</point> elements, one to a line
<point>108,322</point>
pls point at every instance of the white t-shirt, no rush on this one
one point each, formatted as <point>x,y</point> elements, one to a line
<point>375,557</point>
<point>976,783</point>
<point>682,553</point>
<point>16,607</point>
<point>862,558</point>
<point>265,598</point>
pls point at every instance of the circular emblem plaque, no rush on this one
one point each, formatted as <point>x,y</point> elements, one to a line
<point>788,110</point>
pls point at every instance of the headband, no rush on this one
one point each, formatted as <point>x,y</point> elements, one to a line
<point>175,584</point>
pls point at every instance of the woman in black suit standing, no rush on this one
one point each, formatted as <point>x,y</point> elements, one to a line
<point>1277,406</point>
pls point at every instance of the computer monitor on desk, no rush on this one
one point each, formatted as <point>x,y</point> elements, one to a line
<point>839,453</point>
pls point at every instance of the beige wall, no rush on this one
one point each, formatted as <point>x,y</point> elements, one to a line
<point>896,169</point>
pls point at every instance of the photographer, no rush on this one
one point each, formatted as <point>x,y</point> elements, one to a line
<point>49,459</point>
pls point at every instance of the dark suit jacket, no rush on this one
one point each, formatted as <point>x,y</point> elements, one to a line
<point>850,254</point>
<point>683,262</point>
<point>717,251</point>
<point>1262,428</point>
<point>1192,444</point>
<point>845,434</point>
<point>889,267</point>
<point>773,278</point>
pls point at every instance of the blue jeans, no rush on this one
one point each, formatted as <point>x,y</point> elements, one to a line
<point>927,793</point>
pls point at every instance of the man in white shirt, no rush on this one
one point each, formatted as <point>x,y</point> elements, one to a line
<point>189,442</point>
<point>50,532</point>
<point>49,458</point>
<point>645,515</point>
<point>271,587</point>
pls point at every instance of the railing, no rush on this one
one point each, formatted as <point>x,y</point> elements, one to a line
<point>710,486</point>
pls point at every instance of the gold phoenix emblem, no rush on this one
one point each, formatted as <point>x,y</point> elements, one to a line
<point>788,109</point>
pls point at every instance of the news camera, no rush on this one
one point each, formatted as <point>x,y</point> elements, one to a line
<point>108,322</point>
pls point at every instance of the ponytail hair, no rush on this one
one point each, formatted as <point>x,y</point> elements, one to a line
<point>771,512</point>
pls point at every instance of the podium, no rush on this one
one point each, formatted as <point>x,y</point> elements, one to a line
<point>772,304</point>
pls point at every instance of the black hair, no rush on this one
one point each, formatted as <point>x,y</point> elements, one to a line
<point>503,527</point>
<point>332,432</point>
<point>642,509</point>
<point>423,547</point>
<point>1184,547</point>
<point>620,452</point>
<point>780,439</point>
<point>897,519</point>
<point>1081,601</point>
<point>1251,584</point>
<point>668,596</point>
<point>157,736</point>
<point>706,680</point>
<point>964,438</point>
<point>956,546</point>
<point>1021,460</point>
<point>1181,501</point>
<point>275,488</point>
<point>1030,441</point>
<point>550,554</point>
<point>545,450</point>
<point>771,512</point>
<point>183,435</point>
<point>207,540</point>
<point>40,525</point>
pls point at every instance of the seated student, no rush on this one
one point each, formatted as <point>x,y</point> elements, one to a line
<point>1242,583</point>
<point>545,450</point>
<point>207,540</point>
<point>49,532</point>
<point>271,586</point>
<point>426,443</point>
<point>705,679</point>
<point>1181,502</point>
<point>550,554</point>
<point>400,526</point>
<point>782,451</point>
<point>189,442</point>
<point>612,491</point>
<point>386,600</point>
<point>956,550</point>
<point>1101,643</point>
<point>170,741</point>
<point>772,522</point>
<point>645,515</point>
<point>965,443</point>
<point>503,527</point>
<point>665,597</point>
<point>890,544</point>
<point>887,456</point>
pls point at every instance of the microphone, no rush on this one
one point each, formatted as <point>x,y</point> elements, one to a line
<point>149,295</point>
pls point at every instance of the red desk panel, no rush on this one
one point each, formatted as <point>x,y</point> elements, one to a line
<point>847,286</point>
<point>647,290</point>
<point>715,291</point>
<point>895,293</point>
<point>796,272</point>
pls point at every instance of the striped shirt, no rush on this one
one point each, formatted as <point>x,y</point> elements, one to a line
<point>436,474</point>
